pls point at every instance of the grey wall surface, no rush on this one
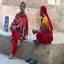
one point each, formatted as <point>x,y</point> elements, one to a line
<point>53,54</point>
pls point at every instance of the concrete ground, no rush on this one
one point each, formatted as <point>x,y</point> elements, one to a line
<point>4,60</point>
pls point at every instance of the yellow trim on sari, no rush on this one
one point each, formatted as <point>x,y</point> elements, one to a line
<point>45,21</point>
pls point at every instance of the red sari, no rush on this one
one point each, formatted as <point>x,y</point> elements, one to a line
<point>16,34</point>
<point>45,37</point>
<point>22,24</point>
<point>15,38</point>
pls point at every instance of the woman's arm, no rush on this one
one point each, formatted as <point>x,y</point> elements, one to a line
<point>23,33</point>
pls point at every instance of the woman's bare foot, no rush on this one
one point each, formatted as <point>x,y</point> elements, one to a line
<point>35,44</point>
<point>11,56</point>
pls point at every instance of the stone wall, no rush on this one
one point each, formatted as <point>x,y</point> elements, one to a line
<point>53,54</point>
<point>56,13</point>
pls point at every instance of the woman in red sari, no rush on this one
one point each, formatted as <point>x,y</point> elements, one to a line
<point>23,27</point>
<point>45,34</point>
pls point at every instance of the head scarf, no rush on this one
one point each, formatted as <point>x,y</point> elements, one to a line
<point>44,11</point>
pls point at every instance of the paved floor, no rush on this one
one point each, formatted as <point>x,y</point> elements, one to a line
<point>4,60</point>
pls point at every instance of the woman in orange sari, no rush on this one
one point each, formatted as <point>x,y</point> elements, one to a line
<point>44,37</point>
<point>22,26</point>
<point>45,34</point>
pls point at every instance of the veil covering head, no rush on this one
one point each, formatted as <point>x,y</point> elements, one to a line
<point>44,11</point>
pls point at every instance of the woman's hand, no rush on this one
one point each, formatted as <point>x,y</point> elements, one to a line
<point>34,31</point>
<point>13,27</point>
